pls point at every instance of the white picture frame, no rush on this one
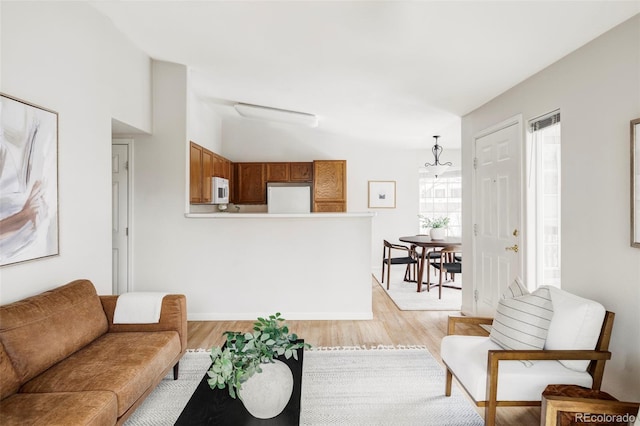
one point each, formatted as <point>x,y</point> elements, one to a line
<point>382,194</point>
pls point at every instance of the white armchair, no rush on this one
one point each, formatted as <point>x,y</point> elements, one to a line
<point>524,353</point>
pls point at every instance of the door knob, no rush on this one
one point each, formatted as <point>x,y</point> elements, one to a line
<point>513,248</point>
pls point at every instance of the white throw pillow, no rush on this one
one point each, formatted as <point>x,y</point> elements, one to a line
<point>576,325</point>
<point>522,322</point>
<point>516,289</point>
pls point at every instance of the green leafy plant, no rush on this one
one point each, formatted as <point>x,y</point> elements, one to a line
<point>440,222</point>
<point>243,353</point>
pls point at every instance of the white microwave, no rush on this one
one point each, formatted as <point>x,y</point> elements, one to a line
<point>219,190</point>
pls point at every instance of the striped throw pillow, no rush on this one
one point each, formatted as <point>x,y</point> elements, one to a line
<point>516,289</point>
<point>522,322</point>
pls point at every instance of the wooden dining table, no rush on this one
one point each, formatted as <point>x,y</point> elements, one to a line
<point>425,242</point>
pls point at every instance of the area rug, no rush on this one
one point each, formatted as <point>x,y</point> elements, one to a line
<point>164,405</point>
<point>340,386</point>
<point>406,298</point>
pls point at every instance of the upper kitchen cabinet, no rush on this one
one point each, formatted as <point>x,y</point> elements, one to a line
<point>195,173</point>
<point>330,186</point>
<point>221,167</point>
<point>200,172</point>
<point>207,173</point>
<point>250,183</point>
<point>300,172</point>
<point>289,172</point>
<point>277,172</point>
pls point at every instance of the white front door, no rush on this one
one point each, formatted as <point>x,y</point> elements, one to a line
<point>120,217</point>
<point>497,214</point>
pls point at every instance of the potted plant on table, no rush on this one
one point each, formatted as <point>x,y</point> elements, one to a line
<point>437,225</point>
<point>248,367</point>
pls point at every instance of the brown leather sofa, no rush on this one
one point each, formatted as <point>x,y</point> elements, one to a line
<point>64,362</point>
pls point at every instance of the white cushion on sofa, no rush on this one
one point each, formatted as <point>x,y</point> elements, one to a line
<point>467,357</point>
<point>576,324</point>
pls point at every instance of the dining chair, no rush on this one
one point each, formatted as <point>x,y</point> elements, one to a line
<point>410,260</point>
<point>448,263</point>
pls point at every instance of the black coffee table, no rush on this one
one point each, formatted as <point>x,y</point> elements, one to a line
<point>215,407</point>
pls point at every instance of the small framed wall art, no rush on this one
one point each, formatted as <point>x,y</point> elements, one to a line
<point>382,194</point>
<point>28,181</point>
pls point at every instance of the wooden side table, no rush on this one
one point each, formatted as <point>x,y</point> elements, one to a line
<point>571,405</point>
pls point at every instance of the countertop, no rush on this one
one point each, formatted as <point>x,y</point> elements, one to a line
<point>277,215</point>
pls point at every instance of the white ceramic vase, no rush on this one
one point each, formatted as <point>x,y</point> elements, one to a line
<point>266,394</point>
<point>437,233</point>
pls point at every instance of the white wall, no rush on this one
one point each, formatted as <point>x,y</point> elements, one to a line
<point>68,58</point>
<point>597,89</point>
<point>204,126</point>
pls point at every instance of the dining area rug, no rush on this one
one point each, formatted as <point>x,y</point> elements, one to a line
<point>406,298</point>
<point>340,386</point>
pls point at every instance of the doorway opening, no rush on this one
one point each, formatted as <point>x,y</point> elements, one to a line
<point>121,202</point>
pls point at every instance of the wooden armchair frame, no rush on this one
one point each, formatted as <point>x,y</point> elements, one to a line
<point>598,357</point>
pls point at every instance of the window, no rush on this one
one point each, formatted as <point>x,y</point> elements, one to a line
<point>543,200</point>
<point>442,197</point>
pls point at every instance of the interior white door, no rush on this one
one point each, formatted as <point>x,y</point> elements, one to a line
<point>497,221</point>
<point>120,217</point>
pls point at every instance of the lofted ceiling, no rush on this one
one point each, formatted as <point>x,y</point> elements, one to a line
<point>381,71</point>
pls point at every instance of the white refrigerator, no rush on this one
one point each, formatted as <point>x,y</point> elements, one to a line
<point>288,197</point>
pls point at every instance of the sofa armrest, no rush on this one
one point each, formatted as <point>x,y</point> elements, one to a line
<point>456,319</point>
<point>173,317</point>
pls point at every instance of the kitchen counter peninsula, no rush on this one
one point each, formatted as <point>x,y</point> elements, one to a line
<point>242,215</point>
<point>308,266</point>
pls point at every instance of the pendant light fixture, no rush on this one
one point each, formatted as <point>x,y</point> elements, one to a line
<point>437,168</point>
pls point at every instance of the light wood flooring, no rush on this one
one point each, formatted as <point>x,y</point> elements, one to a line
<point>389,326</point>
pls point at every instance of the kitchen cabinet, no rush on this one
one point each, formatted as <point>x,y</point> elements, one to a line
<point>195,173</point>
<point>329,207</point>
<point>217,165</point>
<point>330,186</point>
<point>289,172</point>
<point>203,165</point>
<point>249,185</point>
<point>221,167</point>
<point>300,172</point>
<point>200,172</point>
<point>207,172</point>
<point>277,172</point>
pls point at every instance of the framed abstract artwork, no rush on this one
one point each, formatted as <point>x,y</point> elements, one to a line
<point>382,194</point>
<point>28,181</point>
